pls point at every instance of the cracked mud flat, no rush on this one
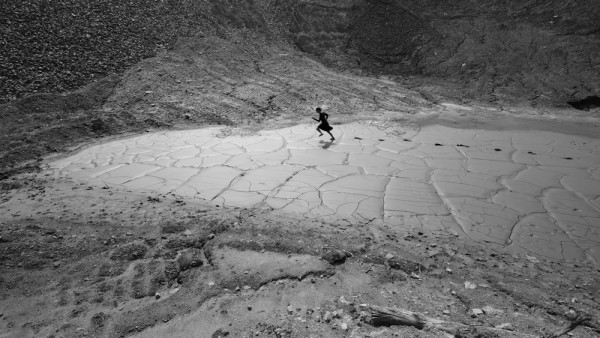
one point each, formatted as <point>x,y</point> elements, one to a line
<point>525,191</point>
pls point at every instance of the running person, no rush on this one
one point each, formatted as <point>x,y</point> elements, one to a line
<point>324,126</point>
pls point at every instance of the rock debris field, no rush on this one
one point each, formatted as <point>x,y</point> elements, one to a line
<point>532,192</point>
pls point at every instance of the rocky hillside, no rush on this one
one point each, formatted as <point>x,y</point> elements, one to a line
<point>55,46</point>
<point>544,52</point>
<point>541,52</point>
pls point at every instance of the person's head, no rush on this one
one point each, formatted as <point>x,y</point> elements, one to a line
<point>318,110</point>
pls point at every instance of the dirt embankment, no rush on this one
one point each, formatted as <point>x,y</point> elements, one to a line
<point>543,53</point>
<point>55,46</point>
<point>538,52</point>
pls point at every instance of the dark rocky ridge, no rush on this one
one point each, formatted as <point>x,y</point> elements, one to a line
<point>543,52</point>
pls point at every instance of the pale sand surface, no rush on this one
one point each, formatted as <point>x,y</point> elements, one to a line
<point>527,191</point>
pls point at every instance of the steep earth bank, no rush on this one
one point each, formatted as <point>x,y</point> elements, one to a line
<point>538,52</point>
<point>542,52</point>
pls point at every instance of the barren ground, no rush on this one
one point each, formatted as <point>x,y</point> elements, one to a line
<point>79,261</point>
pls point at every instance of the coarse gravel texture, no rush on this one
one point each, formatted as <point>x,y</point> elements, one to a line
<point>56,46</point>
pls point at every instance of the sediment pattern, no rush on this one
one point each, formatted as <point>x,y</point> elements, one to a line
<point>537,192</point>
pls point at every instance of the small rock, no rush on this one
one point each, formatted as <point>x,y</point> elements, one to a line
<point>344,326</point>
<point>476,312</point>
<point>532,259</point>
<point>157,295</point>
<point>211,236</point>
<point>56,264</point>
<point>220,333</point>
<point>436,273</point>
<point>290,309</point>
<point>335,257</point>
<point>448,270</point>
<point>188,232</point>
<point>327,317</point>
<point>467,260</point>
<point>504,326</point>
<point>211,283</point>
<point>189,258</point>
<point>415,276</point>
<point>446,312</point>
<point>249,308</point>
<point>338,313</point>
<point>470,285</point>
<point>389,256</point>
<point>488,310</point>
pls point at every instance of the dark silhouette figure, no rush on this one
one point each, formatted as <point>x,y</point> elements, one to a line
<point>324,125</point>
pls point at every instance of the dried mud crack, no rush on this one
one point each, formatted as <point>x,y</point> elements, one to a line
<point>116,263</point>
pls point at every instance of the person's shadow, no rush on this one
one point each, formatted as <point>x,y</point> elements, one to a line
<point>326,144</point>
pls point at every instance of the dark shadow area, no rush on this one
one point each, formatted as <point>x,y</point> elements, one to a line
<point>326,144</point>
<point>588,103</point>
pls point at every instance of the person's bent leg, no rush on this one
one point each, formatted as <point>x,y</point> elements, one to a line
<point>320,132</point>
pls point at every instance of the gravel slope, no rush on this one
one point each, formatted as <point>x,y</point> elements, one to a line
<point>54,46</point>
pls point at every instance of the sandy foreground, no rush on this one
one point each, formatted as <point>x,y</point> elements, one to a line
<point>231,232</point>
